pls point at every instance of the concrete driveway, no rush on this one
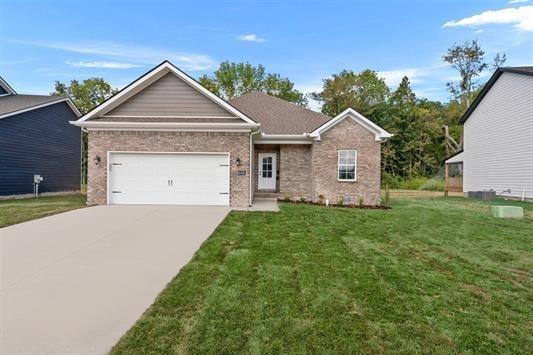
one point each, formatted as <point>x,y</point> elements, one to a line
<point>74,283</point>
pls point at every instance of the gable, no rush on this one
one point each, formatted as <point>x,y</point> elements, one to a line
<point>5,88</point>
<point>348,129</point>
<point>351,115</point>
<point>516,71</point>
<point>169,96</point>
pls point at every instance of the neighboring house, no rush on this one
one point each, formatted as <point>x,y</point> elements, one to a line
<point>37,139</point>
<point>165,139</point>
<point>498,136</point>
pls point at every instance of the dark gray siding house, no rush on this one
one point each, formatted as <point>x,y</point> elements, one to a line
<point>37,138</point>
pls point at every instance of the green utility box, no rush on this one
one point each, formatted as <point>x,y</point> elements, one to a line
<point>507,212</point>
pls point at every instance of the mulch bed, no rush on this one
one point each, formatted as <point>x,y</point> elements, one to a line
<point>366,207</point>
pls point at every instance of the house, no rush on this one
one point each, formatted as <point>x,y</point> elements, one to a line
<point>497,150</point>
<point>37,139</point>
<point>165,139</point>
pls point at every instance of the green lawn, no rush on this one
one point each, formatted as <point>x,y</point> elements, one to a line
<point>432,275</point>
<point>20,210</point>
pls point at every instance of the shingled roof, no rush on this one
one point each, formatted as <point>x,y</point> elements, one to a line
<point>14,103</point>
<point>277,116</point>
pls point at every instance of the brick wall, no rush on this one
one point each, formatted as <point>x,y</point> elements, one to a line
<point>237,144</point>
<point>347,135</point>
<point>295,171</point>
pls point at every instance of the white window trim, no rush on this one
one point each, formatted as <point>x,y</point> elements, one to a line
<point>339,164</point>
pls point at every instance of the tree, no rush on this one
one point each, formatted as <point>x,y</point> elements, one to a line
<point>362,91</point>
<point>85,95</point>
<point>231,80</point>
<point>469,60</point>
<point>416,148</point>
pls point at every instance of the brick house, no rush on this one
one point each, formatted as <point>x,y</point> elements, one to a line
<point>165,139</point>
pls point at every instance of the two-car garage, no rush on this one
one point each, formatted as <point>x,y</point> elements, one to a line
<point>168,178</point>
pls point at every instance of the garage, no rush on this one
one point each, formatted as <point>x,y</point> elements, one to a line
<point>168,178</point>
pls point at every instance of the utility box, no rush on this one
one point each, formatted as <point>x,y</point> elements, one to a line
<point>507,211</point>
<point>483,195</point>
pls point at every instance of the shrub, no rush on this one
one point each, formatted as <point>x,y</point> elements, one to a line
<point>433,185</point>
<point>416,183</point>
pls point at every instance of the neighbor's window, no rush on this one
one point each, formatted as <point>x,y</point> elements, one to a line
<point>347,165</point>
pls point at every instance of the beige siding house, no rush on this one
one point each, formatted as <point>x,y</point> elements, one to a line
<point>165,139</point>
<point>498,136</point>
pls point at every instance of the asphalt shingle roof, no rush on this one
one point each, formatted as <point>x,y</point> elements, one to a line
<point>278,116</point>
<point>13,103</point>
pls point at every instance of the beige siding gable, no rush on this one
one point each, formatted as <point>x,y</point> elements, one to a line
<point>169,97</point>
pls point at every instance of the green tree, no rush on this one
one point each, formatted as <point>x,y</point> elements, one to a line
<point>85,95</point>
<point>416,149</point>
<point>469,60</point>
<point>362,91</point>
<point>231,80</point>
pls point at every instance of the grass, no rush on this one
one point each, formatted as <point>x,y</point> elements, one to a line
<point>431,275</point>
<point>21,210</point>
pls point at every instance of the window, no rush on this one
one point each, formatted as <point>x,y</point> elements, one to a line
<point>347,165</point>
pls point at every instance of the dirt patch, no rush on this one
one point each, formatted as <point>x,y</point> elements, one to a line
<point>478,291</point>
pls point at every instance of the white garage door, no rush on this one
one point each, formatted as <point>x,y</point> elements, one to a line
<point>171,179</point>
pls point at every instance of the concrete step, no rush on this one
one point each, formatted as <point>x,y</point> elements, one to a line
<point>263,194</point>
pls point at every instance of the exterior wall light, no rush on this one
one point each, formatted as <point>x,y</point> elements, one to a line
<point>238,161</point>
<point>97,159</point>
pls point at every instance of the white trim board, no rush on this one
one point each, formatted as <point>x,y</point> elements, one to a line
<point>66,99</point>
<point>149,78</point>
<point>7,87</point>
<point>380,134</point>
<point>166,126</point>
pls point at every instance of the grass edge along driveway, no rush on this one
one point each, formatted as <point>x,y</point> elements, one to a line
<point>430,275</point>
<point>15,211</point>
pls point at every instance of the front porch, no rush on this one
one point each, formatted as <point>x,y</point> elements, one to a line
<point>282,170</point>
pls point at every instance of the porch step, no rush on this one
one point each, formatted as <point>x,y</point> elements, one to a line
<point>262,194</point>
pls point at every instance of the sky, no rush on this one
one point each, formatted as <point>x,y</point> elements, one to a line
<point>306,41</point>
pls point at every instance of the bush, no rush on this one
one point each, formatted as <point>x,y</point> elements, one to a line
<point>417,183</point>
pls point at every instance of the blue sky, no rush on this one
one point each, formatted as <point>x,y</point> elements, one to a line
<point>303,40</point>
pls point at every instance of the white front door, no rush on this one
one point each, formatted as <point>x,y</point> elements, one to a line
<point>168,178</point>
<point>266,171</point>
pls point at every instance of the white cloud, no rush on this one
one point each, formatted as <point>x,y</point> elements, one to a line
<point>520,17</point>
<point>251,38</point>
<point>393,77</point>
<point>106,65</point>
<point>517,1</point>
<point>131,53</point>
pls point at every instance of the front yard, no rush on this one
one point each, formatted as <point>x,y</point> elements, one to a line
<point>431,275</point>
<point>22,210</point>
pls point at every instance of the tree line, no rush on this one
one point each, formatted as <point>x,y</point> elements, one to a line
<point>418,147</point>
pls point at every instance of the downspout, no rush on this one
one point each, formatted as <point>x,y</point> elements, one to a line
<point>251,165</point>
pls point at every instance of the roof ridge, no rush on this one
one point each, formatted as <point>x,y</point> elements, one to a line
<point>282,100</point>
